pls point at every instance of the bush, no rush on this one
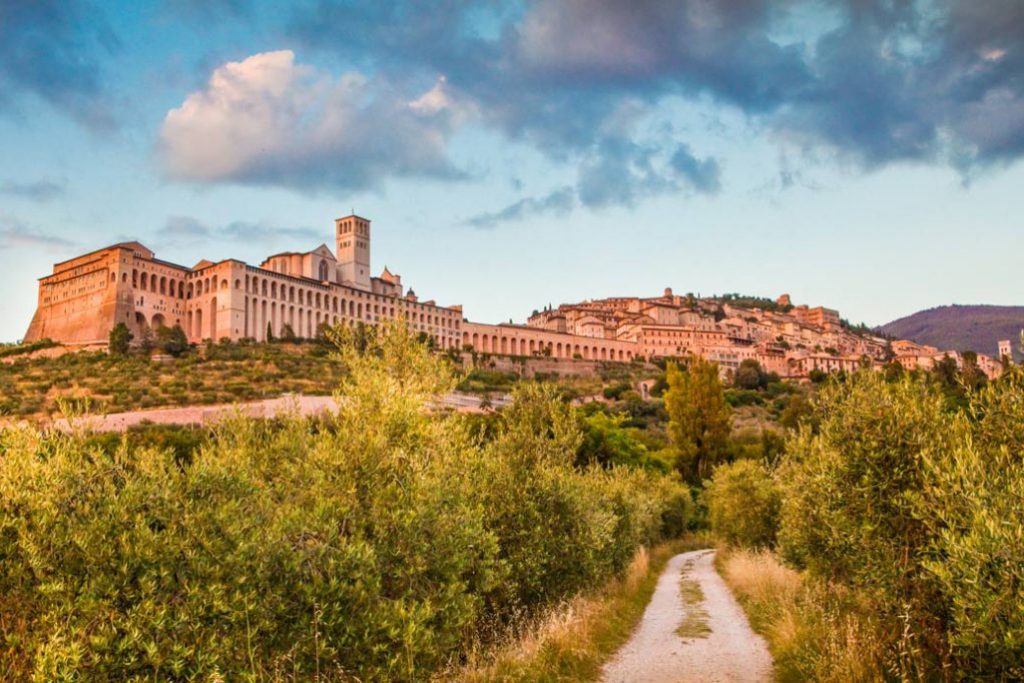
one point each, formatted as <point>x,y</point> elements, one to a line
<point>915,504</point>
<point>743,397</point>
<point>973,506</point>
<point>171,340</point>
<point>743,504</point>
<point>376,544</point>
<point>120,340</point>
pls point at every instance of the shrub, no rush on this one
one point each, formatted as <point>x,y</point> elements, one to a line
<point>972,505</point>
<point>374,544</point>
<point>605,442</point>
<point>915,504</point>
<point>171,340</point>
<point>120,340</point>
<point>743,504</point>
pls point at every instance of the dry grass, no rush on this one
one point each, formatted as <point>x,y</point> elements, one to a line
<point>572,641</point>
<point>815,631</point>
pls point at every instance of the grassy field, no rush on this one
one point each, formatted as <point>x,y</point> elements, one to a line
<point>98,382</point>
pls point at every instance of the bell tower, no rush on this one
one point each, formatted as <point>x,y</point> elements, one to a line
<point>352,236</point>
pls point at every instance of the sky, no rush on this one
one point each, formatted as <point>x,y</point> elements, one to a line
<point>858,154</point>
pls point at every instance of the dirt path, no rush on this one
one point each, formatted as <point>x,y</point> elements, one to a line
<point>728,651</point>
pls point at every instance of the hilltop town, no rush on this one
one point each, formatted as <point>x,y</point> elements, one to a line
<point>297,293</point>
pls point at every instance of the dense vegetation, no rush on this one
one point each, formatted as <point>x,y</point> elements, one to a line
<point>379,544</point>
<point>899,500</point>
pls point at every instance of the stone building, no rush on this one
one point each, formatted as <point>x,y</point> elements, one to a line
<point>86,296</point>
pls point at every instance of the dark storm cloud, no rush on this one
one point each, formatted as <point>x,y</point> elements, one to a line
<point>52,49</point>
<point>892,80</point>
<point>555,71</point>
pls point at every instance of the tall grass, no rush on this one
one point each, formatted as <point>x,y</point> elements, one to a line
<point>816,632</point>
<point>572,640</point>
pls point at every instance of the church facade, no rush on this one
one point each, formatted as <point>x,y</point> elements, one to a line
<point>85,297</point>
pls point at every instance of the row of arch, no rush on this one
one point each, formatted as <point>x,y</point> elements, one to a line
<point>500,344</point>
<point>270,289</point>
<point>151,282</point>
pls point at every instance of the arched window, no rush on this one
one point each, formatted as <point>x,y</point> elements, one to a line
<point>323,271</point>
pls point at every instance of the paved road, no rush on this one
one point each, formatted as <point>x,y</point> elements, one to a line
<point>202,415</point>
<point>657,654</point>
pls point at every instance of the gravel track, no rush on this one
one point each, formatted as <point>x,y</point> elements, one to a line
<point>657,654</point>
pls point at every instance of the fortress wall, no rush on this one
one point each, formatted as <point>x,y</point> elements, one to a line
<point>77,304</point>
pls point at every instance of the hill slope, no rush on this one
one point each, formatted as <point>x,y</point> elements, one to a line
<point>963,328</point>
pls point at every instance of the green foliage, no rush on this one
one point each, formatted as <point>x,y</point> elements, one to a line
<point>743,504</point>
<point>737,398</point>
<point>749,301</point>
<point>797,411</point>
<point>113,383</point>
<point>917,507</point>
<point>376,545</point>
<point>171,340</point>
<point>288,335</point>
<point>749,375</point>
<point>615,391</point>
<point>120,340</point>
<point>8,350</point>
<point>699,418</point>
<point>146,341</point>
<point>607,443</point>
<point>972,509</point>
<point>479,380</point>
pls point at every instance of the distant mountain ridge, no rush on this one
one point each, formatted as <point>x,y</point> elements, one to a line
<point>961,328</point>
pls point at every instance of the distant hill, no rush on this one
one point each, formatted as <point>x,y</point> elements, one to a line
<point>961,328</point>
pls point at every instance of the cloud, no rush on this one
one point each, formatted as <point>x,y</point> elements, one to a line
<point>40,190</point>
<point>15,233</point>
<point>873,81</point>
<point>270,121</point>
<point>701,175</point>
<point>617,172</point>
<point>622,172</point>
<point>560,202</point>
<point>53,49</point>
<point>186,229</point>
